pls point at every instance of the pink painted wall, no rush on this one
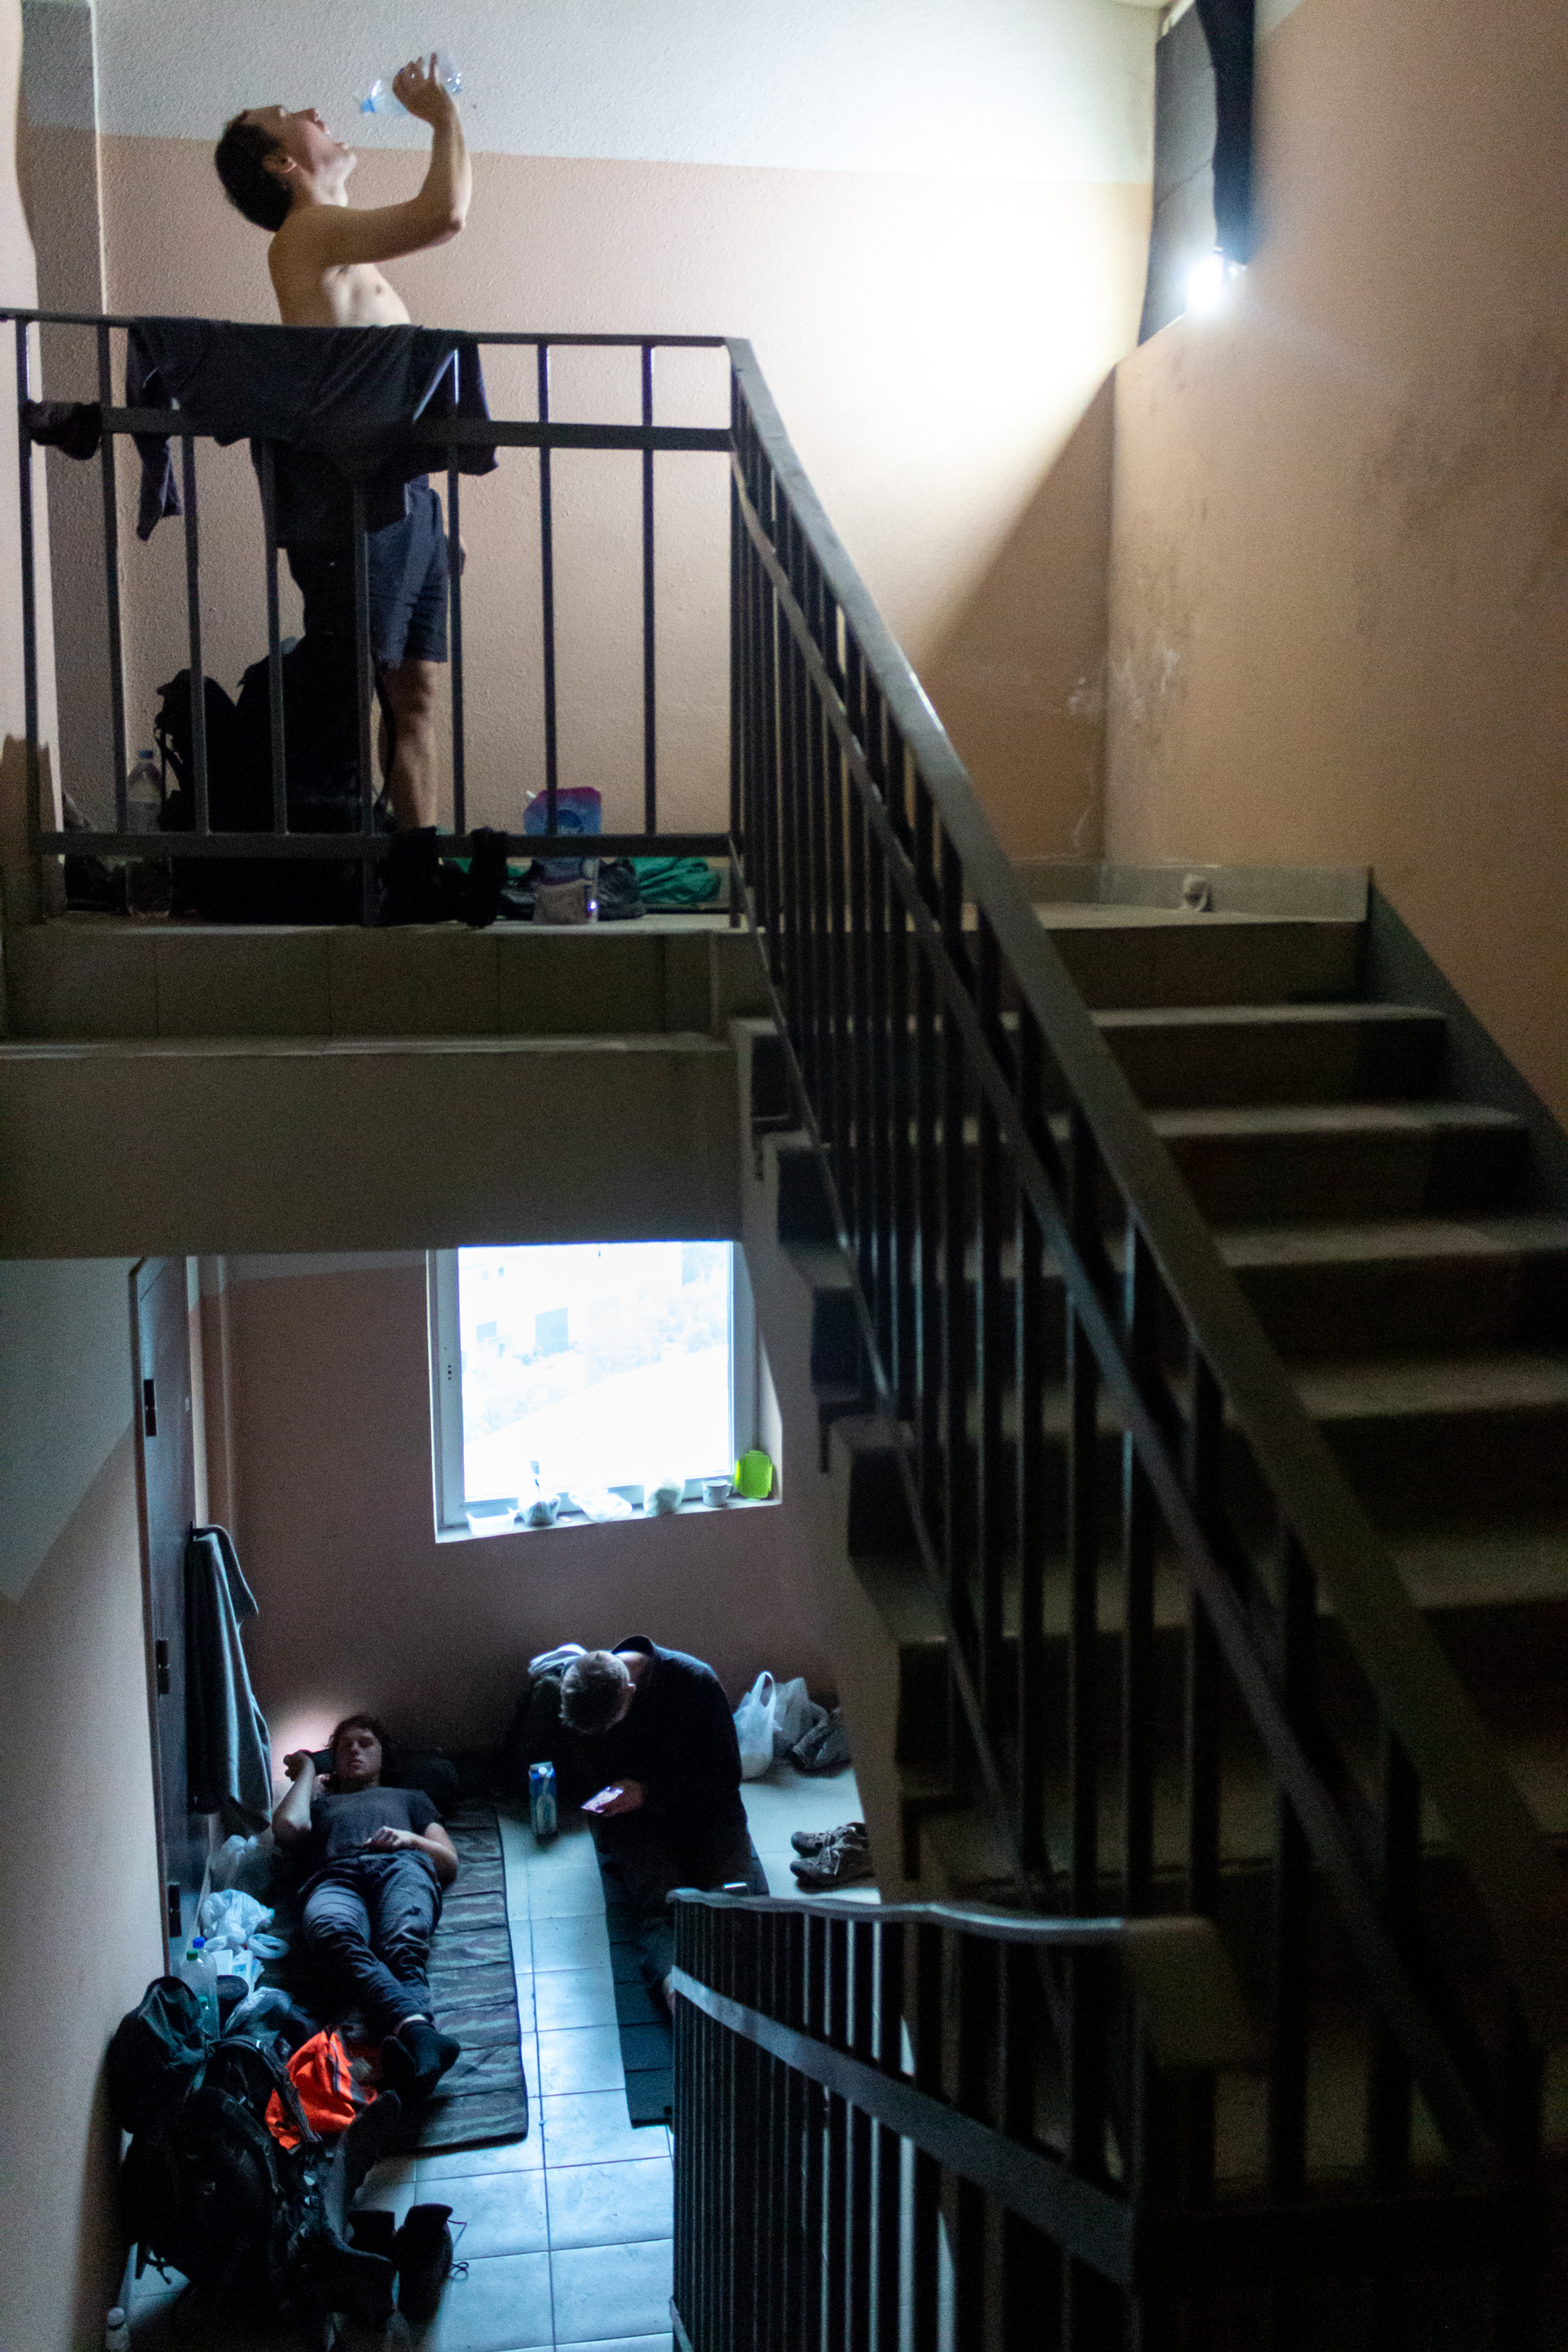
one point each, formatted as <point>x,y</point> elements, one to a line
<point>362,1607</point>
<point>1339,604</point>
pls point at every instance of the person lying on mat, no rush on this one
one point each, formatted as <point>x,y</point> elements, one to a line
<point>377,1860</point>
<point>657,1724</point>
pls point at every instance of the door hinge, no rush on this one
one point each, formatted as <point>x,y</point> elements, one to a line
<point>149,1409</point>
<point>172,1907</point>
<point>161,1668</point>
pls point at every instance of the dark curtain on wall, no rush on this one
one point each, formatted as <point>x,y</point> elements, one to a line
<point>1202,151</point>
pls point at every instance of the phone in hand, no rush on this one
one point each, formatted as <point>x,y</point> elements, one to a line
<point>601,1803</point>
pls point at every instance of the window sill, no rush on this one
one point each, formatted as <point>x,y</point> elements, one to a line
<point>692,1510</point>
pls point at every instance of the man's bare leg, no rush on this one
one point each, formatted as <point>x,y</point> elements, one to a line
<point>411,780</point>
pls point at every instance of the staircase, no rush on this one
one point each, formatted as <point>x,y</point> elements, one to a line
<point>1383,1231</point>
<point>1390,1235</point>
<point>1186,1337</point>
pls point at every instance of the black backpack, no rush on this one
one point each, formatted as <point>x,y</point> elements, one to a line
<point>321,735</point>
<point>208,2191</point>
<point>157,2054</point>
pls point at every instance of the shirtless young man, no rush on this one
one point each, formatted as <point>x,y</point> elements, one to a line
<point>288,174</point>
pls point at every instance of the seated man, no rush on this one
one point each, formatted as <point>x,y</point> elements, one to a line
<point>377,1858</point>
<point>657,1724</point>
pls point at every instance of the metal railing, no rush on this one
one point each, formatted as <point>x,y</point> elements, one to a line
<point>1082,1403</point>
<point>543,433</point>
<point>890,2136</point>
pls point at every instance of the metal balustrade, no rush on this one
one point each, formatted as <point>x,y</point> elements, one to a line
<point>545,433</point>
<point>1081,1403</point>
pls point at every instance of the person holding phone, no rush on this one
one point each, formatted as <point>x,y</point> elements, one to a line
<point>656,1725</point>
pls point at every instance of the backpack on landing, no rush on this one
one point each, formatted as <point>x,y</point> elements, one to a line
<point>206,2191</point>
<point>321,733</point>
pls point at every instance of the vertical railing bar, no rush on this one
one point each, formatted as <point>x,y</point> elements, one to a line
<point>454,599</point>
<point>363,691</point>
<point>1202,1700</point>
<point>275,719</point>
<point>1083,1543</point>
<point>989,1364</point>
<point>29,582</point>
<point>1388,2107</point>
<point>547,592</point>
<point>118,749</point>
<point>649,726</point>
<point>958,1525</point>
<point>1140,1311</point>
<point>194,625</point>
<point>1287,2110</point>
<point>1030,1510</point>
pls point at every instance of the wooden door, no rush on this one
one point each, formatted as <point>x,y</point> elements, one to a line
<point>161,1351</point>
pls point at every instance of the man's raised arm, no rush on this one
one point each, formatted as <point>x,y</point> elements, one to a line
<point>326,237</point>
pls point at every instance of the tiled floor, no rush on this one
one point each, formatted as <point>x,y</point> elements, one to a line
<point>566,2235</point>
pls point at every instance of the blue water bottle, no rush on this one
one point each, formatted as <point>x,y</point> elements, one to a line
<point>541,1817</point>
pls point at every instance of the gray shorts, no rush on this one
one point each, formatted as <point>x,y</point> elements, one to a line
<point>407,565</point>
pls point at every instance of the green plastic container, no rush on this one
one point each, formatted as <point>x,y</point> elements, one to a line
<point>754,1476</point>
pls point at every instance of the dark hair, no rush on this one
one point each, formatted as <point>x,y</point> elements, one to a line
<point>361,1723</point>
<point>241,156</point>
<point>592,1690</point>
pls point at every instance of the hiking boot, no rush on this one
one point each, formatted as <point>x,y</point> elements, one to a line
<point>818,1841</point>
<point>487,878</point>
<point>835,1868</point>
<point>423,2261</point>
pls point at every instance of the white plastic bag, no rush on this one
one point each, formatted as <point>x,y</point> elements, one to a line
<point>754,1727</point>
<point>229,1919</point>
<point>794,1714</point>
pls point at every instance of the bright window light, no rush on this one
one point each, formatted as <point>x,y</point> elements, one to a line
<point>1207,281</point>
<point>610,1364</point>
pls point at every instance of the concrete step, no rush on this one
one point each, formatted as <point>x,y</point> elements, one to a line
<point>1422,1437</point>
<point>1290,1164</point>
<point>1408,1287</point>
<point>1189,1056</point>
<point>1123,956</point>
<point>1284,1164</point>
<point>89,976</point>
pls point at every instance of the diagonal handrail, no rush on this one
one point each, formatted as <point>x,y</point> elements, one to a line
<point>1500,1844</point>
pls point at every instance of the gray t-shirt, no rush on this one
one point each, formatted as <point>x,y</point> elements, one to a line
<point>343,1825</point>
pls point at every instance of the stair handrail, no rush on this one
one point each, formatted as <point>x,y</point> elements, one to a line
<point>1507,1856</point>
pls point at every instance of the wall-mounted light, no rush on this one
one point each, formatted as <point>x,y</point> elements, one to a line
<point>1208,281</point>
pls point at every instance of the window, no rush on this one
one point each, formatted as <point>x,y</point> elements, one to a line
<point>587,1371</point>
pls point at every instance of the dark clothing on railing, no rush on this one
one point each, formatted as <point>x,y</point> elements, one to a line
<point>339,404</point>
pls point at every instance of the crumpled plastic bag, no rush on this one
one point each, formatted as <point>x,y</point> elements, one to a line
<point>754,1727</point>
<point>548,1661</point>
<point>824,1748</point>
<point>234,1921</point>
<point>795,1713</point>
<point>244,1863</point>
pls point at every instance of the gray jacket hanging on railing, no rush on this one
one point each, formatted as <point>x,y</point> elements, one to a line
<point>339,404</point>
<point>229,1755</point>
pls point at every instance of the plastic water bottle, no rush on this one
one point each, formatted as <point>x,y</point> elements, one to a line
<point>200,1972</point>
<point>116,2331</point>
<point>144,794</point>
<point>379,97</point>
<point>542,1814</point>
<point>147,880</point>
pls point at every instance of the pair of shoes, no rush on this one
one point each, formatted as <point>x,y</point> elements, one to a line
<point>415,2058</point>
<point>818,1841</point>
<point>835,1866</point>
<point>418,886</point>
<point>420,2253</point>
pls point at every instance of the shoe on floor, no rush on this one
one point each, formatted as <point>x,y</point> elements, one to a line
<point>818,1841</point>
<point>835,1868</point>
<point>423,2261</point>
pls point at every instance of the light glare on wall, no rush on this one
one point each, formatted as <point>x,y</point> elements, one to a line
<point>1208,281</point>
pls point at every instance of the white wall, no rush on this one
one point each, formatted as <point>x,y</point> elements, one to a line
<point>994,88</point>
